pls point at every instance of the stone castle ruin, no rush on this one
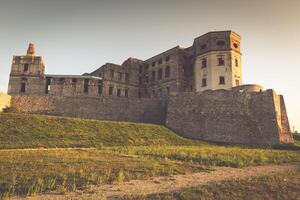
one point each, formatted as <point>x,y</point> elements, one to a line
<point>195,91</point>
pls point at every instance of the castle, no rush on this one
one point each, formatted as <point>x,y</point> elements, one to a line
<point>196,91</point>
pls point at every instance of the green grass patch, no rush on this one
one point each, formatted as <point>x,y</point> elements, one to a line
<point>36,171</point>
<point>33,131</point>
<point>212,155</point>
<point>282,187</point>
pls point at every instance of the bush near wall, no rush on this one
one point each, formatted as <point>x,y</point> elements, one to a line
<point>4,101</point>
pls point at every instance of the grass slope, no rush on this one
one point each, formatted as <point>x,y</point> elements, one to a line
<point>32,131</point>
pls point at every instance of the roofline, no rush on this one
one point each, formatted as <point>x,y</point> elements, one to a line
<point>72,76</point>
<point>177,47</point>
<point>226,31</point>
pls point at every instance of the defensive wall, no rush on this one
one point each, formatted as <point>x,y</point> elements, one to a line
<point>245,114</point>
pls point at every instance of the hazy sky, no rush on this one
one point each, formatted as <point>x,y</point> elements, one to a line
<point>77,36</point>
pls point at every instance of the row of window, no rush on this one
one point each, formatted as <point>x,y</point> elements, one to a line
<point>160,74</point>
<point>219,43</point>
<point>119,91</point>
<point>120,75</point>
<point>221,62</point>
<point>221,81</point>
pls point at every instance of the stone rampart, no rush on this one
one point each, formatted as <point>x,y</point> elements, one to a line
<point>109,108</point>
<point>241,115</point>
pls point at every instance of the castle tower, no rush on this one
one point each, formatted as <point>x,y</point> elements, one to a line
<point>27,74</point>
<point>217,61</point>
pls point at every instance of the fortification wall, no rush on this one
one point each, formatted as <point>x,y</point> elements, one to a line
<point>241,115</point>
<point>104,108</point>
<point>4,101</point>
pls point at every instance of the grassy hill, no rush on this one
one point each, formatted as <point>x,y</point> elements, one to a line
<point>32,131</point>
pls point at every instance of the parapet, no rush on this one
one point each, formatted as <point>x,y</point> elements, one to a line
<point>248,88</point>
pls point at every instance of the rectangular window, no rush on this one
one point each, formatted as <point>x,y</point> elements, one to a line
<point>204,63</point>
<point>48,83</point>
<point>237,82</point>
<point>23,87</point>
<point>110,90</point>
<point>159,75</point>
<point>160,61</point>
<point>126,77</point>
<point>204,82</point>
<point>74,80</point>
<point>100,87</point>
<point>26,67</point>
<point>119,92</point>
<point>153,64</point>
<point>126,92</point>
<point>160,92</point>
<point>112,73</point>
<point>167,58</point>
<point>120,76</point>
<point>221,61</point>
<point>153,76</point>
<point>236,62</point>
<point>168,90</point>
<point>167,72</point>
<point>86,86</point>
<point>222,80</point>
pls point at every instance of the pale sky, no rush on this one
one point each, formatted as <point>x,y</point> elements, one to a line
<point>77,36</point>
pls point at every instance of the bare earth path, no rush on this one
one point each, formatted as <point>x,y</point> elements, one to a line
<point>167,184</point>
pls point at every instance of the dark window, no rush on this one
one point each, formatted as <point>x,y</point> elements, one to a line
<point>110,90</point>
<point>221,61</point>
<point>74,80</point>
<point>221,80</point>
<point>153,64</point>
<point>141,68</point>
<point>100,75</point>
<point>153,76</point>
<point>168,90</point>
<point>191,87</point>
<point>126,92</point>
<point>203,46</point>
<point>237,82</point>
<point>147,67</point>
<point>235,45</point>
<point>167,72</point>
<point>100,87</point>
<point>159,74</point>
<point>204,82</point>
<point>220,42</point>
<point>120,76</point>
<point>118,92</point>
<point>236,62</point>
<point>112,73</point>
<point>62,80</point>
<point>140,80</point>
<point>23,87</point>
<point>204,63</point>
<point>160,92</point>
<point>167,58</point>
<point>26,67</point>
<point>160,61</point>
<point>48,83</point>
<point>86,86</point>
<point>126,76</point>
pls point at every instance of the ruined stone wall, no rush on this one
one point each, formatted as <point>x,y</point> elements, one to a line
<point>104,108</point>
<point>242,115</point>
<point>4,101</point>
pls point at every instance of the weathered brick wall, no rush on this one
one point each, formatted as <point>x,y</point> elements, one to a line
<point>245,116</point>
<point>4,101</point>
<point>104,108</point>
